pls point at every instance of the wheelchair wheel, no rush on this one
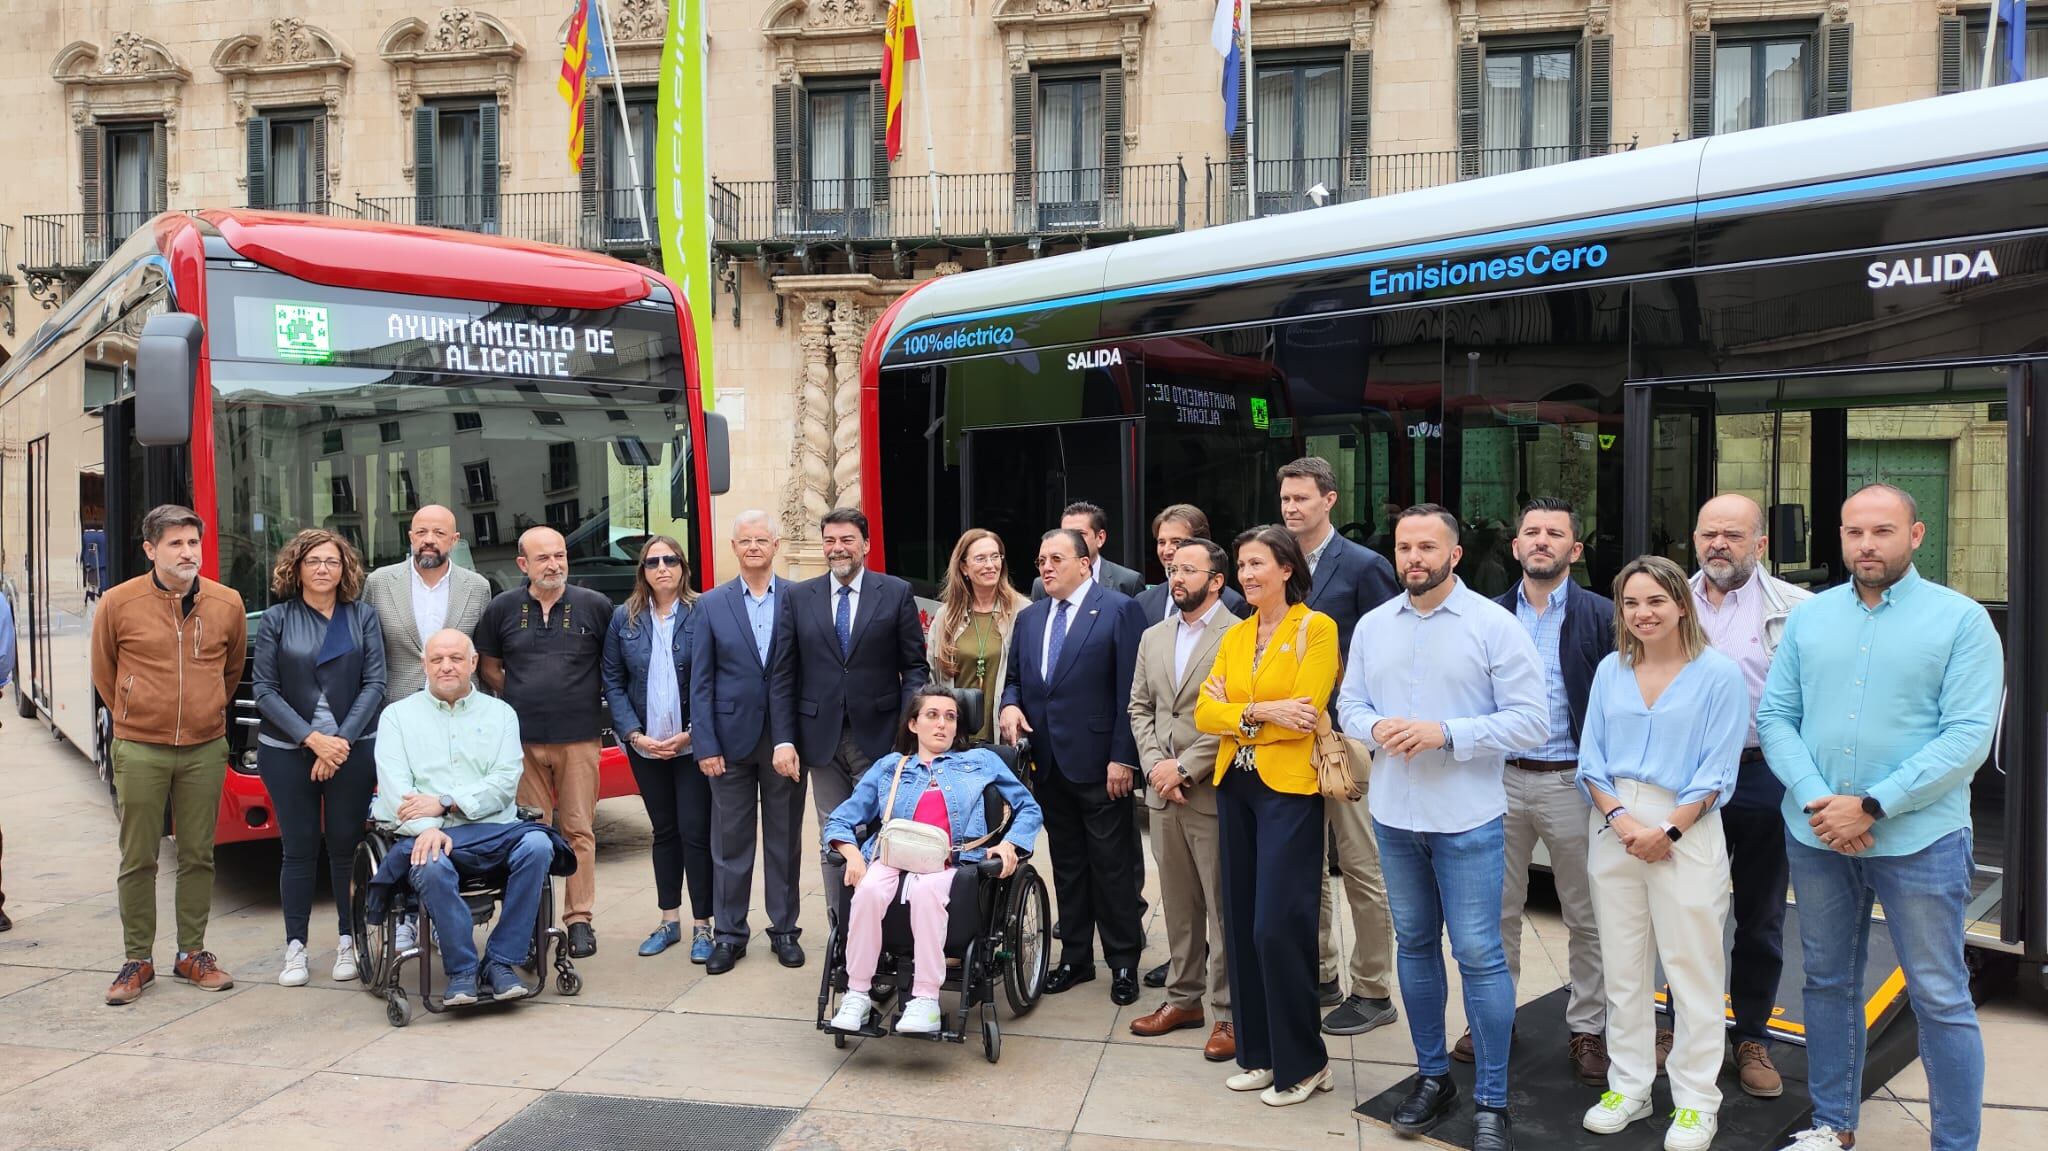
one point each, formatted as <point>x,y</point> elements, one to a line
<point>1028,941</point>
<point>568,982</point>
<point>397,1009</point>
<point>991,1038</point>
<point>373,941</point>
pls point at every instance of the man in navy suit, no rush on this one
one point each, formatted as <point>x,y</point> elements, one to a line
<point>840,686</point>
<point>1072,658</point>
<point>739,632</point>
<point>1349,582</point>
<point>1172,528</point>
<point>1093,524</point>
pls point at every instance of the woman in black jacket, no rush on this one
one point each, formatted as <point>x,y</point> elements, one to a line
<point>319,686</point>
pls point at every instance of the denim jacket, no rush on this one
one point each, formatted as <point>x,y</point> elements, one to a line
<point>628,646</point>
<point>963,776</point>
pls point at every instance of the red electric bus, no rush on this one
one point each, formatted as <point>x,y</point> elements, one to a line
<point>277,372</point>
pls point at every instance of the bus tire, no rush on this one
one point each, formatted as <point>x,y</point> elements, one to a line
<point>23,705</point>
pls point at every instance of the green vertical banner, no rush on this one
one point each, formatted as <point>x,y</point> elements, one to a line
<point>682,176</point>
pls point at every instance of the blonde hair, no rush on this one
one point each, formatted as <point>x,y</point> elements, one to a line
<point>956,601</point>
<point>1672,582</point>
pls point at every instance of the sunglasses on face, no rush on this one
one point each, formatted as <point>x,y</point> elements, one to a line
<point>652,562</point>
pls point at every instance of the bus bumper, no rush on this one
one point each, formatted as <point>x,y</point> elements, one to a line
<point>245,812</point>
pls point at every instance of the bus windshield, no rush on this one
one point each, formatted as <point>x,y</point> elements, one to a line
<point>339,409</point>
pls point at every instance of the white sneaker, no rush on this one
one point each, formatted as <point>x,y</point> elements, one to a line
<point>1275,1097</point>
<point>1693,1131</point>
<point>294,973</point>
<point>920,1017</point>
<point>346,969</point>
<point>407,935</point>
<point>1816,1138</point>
<point>853,1012</point>
<point>1614,1113</point>
<point>1257,1080</point>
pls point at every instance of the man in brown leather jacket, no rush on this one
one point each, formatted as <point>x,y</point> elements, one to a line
<point>167,653</point>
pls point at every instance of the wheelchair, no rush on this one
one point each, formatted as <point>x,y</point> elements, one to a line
<point>383,963</point>
<point>1006,940</point>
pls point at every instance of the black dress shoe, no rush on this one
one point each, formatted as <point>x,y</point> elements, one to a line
<point>723,956</point>
<point>1123,986</point>
<point>1491,1131</point>
<point>1067,976</point>
<point>1427,1102</point>
<point>582,941</point>
<point>6,924</point>
<point>788,951</point>
<point>1157,976</point>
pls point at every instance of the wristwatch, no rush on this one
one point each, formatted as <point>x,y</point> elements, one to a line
<point>1447,736</point>
<point>1185,777</point>
<point>1872,808</point>
<point>1673,833</point>
<point>447,803</point>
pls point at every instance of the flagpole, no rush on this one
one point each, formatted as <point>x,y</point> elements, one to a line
<point>924,100</point>
<point>1251,151</point>
<point>1990,39</point>
<point>611,64</point>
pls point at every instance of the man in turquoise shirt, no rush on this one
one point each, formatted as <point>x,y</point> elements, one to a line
<point>448,767</point>
<point>1879,708</point>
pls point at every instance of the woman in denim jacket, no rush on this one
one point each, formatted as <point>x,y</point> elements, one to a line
<point>943,780</point>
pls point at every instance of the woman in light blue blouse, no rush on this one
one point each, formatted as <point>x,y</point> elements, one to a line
<point>1665,722</point>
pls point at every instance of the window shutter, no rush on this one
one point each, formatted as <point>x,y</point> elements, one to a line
<point>1702,84</point>
<point>784,111</point>
<point>159,168</point>
<point>1357,119</point>
<point>878,163</point>
<point>1023,125</point>
<point>1837,50</point>
<point>1112,131</point>
<point>487,144</point>
<point>1949,63</point>
<point>89,141</point>
<point>425,130</point>
<point>588,181</point>
<point>318,184</point>
<point>256,138</point>
<point>1238,151</point>
<point>1816,67</point>
<point>1471,70</point>
<point>1596,119</point>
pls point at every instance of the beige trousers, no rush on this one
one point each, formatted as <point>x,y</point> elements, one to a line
<point>1365,892</point>
<point>561,781</point>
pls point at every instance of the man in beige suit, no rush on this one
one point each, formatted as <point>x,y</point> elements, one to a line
<point>422,594</point>
<point>1179,763</point>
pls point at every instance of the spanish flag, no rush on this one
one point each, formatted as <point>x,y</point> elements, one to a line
<point>575,66</point>
<point>899,45</point>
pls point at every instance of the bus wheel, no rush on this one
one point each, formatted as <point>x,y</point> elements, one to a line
<point>23,705</point>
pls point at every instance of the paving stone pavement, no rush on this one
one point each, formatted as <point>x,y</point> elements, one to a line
<point>317,1067</point>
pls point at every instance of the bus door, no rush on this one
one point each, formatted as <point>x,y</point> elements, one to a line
<point>38,567</point>
<point>1016,479</point>
<point>137,480</point>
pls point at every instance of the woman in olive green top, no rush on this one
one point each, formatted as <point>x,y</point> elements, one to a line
<point>971,631</point>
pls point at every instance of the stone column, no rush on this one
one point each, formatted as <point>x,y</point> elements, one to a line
<point>809,492</point>
<point>849,330</point>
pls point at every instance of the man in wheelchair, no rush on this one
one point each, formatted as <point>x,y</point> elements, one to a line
<point>448,768</point>
<point>926,799</point>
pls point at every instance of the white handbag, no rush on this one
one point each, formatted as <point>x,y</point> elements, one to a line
<point>906,844</point>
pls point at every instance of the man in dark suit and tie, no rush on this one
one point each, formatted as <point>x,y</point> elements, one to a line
<point>739,632</point>
<point>1072,657</point>
<point>1093,524</point>
<point>840,687</point>
<point>1349,582</point>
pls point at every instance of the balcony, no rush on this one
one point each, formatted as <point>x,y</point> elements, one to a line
<point>6,280</point>
<point>602,221</point>
<point>1285,185</point>
<point>60,250</point>
<point>1115,204</point>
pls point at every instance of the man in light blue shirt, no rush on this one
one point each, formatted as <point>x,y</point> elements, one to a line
<point>1444,684</point>
<point>1881,704</point>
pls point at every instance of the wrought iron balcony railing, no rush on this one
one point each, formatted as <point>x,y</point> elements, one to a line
<point>1294,185</point>
<point>600,221</point>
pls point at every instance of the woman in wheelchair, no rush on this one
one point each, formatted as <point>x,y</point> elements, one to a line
<point>936,780</point>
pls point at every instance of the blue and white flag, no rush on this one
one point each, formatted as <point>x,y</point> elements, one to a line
<point>2013,39</point>
<point>1226,34</point>
<point>599,56</point>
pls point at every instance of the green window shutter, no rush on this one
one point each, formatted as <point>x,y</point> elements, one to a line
<point>1236,151</point>
<point>589,179</point>
<point>1701,84</point>
<point>1837,42</point>
<point>256,139</point>
<point>1358,119</point>
<point>878,142</point>
<point>89,150</point>
<point>159,167</point>
<point>1023,126</point>
<point>1949,62</point>
<point>786,108</point>
<point>1471,73</point>
<point>1596,116</point>
<point>1112,131</point>
<point>425,131</point>
<point>487,143</point>
<point>319,181</point>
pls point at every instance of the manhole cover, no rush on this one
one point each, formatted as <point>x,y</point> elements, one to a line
<point>569,1122</point>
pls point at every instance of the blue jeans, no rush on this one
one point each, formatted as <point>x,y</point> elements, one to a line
<point>1437,880</point>
<point>526,858</point>
<point>1923,896</point>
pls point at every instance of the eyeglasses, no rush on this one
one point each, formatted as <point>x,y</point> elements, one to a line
<point>987,561</point>
<point>753,543</point>
<point>652,562</point>
<point>321,562</point>
<point>1187,571</point>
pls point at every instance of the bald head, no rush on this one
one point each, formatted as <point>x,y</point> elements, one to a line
<point>449,660</point>
<point>1729,538</point>
<point>544,557</point>
<point>1881,528</point>
<point>433,537</point>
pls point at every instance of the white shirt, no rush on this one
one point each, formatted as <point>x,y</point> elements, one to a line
<point>1073,600</point>
<point>430,602</point>
<point>1187,635</point>
<point>1315,556</point>
<point>852,599</point>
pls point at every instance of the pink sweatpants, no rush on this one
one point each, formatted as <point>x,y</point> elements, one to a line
<point>927,896</point>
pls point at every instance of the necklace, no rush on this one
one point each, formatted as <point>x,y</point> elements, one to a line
<point>981,646</point>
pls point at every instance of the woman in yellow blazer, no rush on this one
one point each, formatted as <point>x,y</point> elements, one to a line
<point>1261,701</point>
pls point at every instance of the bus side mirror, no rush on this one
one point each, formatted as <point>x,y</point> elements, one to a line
<point>1788,534</point>
<point>717,448</point>
<point>166,372</point>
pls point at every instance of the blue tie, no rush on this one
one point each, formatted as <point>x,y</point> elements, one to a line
<point>842,622</point>
<point>1059,637</point>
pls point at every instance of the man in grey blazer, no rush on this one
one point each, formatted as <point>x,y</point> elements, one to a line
<point>1093,524</point>
<point>1179,764</point>
<point>422,594</point>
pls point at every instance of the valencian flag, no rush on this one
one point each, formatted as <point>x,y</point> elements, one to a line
<point>575,68</point>
<point>899,45</point>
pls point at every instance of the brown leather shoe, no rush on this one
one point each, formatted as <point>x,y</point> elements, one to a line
<point>1589,1058</point>
<point>1462,1049</point>
<point>1753,1065</point>
<point>1664,1041</point>
<point>203,971</point>
<point>1167,1018</point>
<point>136,974</point>
<point>1222,1044</point>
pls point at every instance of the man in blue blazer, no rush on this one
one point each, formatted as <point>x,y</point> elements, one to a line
<point>739,631</point>
<point>840,686</point>
<point>1071,661</point>
<point>1349,581</point>
<point>1574,630</point>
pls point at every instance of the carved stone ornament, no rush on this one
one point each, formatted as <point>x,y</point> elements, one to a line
<point>129,58</point>
<point>289,46</point>
<point>1069,7</point>
<point>1838,13</point>
<point>456,33</point>
<point>1945,8</point>
<point>637,21</point>
<point>800,20</point>
<point>1009,12</point>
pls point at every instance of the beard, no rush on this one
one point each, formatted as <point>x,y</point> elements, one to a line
<point>1532,567</point>
<point>428,558</point>
<point>1893,573</point>
<point>843,569</point>
<point>1734,573</point>
<point>1431,578</point>
<point>1190,601</point>
<point>551,583</point>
